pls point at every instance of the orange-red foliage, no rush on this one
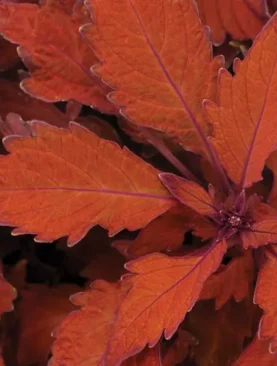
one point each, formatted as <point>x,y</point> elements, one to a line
<point>138,172</point>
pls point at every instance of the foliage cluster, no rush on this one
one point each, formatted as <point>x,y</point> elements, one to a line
<point>138,174</point>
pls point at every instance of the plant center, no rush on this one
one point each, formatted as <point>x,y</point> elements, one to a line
<point>231,220</point>
<point>234,221</point>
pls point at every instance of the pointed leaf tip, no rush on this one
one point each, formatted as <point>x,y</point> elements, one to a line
<point>246,20</point>
<point>55,53</point>
<point>189,193</point>
<point>163,289</point>
<point>53,193</point>
<point>244,121</point>
<point>158,83</point>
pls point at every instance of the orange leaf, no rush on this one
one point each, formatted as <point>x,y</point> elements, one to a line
<point>55,53</point>
<point>165,233</point>
<point>257,354</point>
<point>83,336</point>
<point>261,233</point>
<point>8,294</point>
<point>238,274</point>
<point>242,19</point>
<point>147,357</point>
<point>266,298</point>
<point>63,182</point>
<point>244,120</point>
<point>163,290</point>
<point>159,83</point>
<point>189,193</point>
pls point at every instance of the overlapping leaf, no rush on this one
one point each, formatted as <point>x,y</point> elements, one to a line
<point>242,19</point>
<point>266,298</point>
<point>238,274</point>
<point>83,337</point>
<point>261,233</point>
<point>257,354</point>
<point>244,120</point>
<point>48,308</point>
<point>63,182</point>
<point>158,82</point>
<point>55,53</point>
<point>104,300</point>
<point>166,233</point>
<point>189,193</point>
<point>178,351</point>
<point>14,100</point>
<point>221,333</point>
<point>163,290</point>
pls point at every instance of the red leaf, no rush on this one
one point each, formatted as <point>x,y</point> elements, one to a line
<point>55,53</point>
<point>14,125</point>
<point>158,82</point>
<point>83,336</point>
<point>188,193</point>
<point>257,354</point>
<point>63,182</point>
<point>39,311</point>
<point>222,333</point>
<point>179,349</point>
<point>100,127</point>
<point>242,19</point>
<point>163,290</point>
<point>8,294</point>
<point>238,274</point>
<point>244,120</point>
<point>266,298</point>
<point>14,100</point>
<point>165,233</point>
<point>108,265</point>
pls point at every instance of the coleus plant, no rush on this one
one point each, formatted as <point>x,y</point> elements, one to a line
<point>150,63</point>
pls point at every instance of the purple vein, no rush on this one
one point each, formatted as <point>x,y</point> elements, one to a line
<point>95,80</point>
<point>179,281</point>
<point>177,90</point>
<point>256,129</point>
<point>89,190</point>
<point>261,231</point>
<point>166,152</point>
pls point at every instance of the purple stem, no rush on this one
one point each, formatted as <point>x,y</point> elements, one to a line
<point>165,151</point>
